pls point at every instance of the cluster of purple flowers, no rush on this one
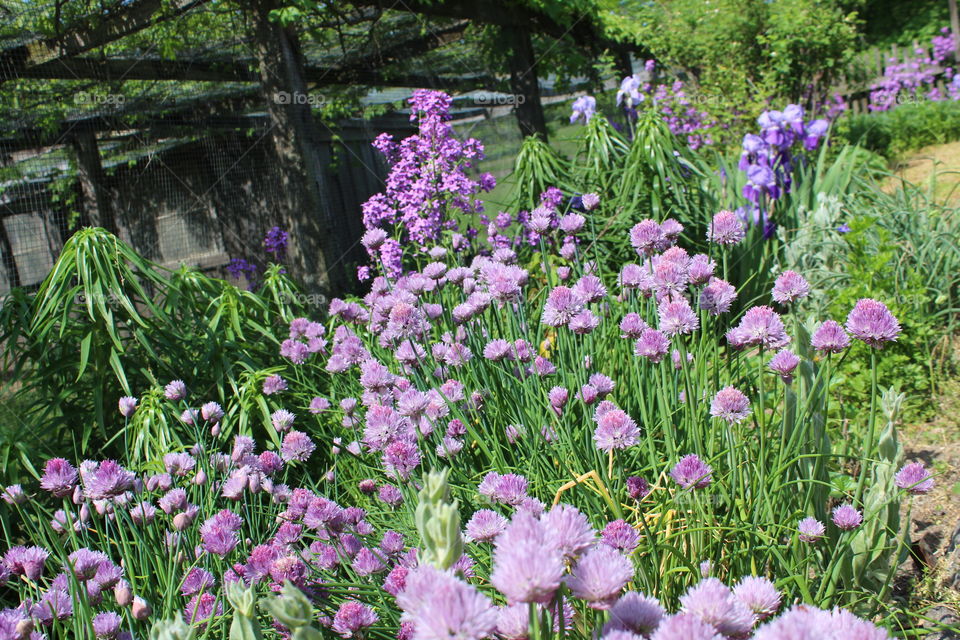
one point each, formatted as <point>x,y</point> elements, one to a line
<point>768,158</point>
<point>913,78</point>
<point>305,339</point>
<point>275,243</point>
<point>669,100</point>
<point>535,555</point>
<point>427,183</point>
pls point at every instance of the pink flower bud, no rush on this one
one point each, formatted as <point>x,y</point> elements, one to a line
<point>123,594</point>
<point>141,610</point>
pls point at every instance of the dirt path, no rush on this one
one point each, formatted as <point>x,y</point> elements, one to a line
<point>941,163</point>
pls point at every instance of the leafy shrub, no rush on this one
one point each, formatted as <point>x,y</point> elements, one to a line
<point>910,126</point>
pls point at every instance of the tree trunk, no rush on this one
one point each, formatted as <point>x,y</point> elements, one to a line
<point>955,28</point>
<point>524,82</point>
<point>316,239</point>
<point>624,63</point>
<point>9,260</point>
<point>96,201</point>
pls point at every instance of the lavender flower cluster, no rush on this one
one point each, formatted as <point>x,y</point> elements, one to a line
<point>427,183</point>
<point>914,78</point>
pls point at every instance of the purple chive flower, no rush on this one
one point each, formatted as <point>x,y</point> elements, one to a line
<point>296,446</point>
<point>871,322</point>
<point>759,326</point>
<point>760,596</point>
<point>127,404</point>
<point>274,384</point>
<point>717,296</point>
<point>143,513</point>
<point>561,307</point>
<point>219,534</point>
<point>390,495</point>
<point>497,350</point>
<point>510,488</point>
<point>568,530</point>
<point>202,608</point>
<point>811,529</point>
<point>441,606</point>
<point>615,430</point>
<point>804,621</point>
<point>652,345</point>
<point>526,566</point>
<point>590,288</point>
<point>620,535</point>
<point>599,576</point>
<point>784,363</point>
<point>319,405</point>
<point>106,625</point>
<point>676,317</point>
<point>396,580</point>
<point>84,563</point>
<point>632,326</point>
<point>106,480</point>
<point>367,562</point>
<point>701,268</point>
<point>391,543</point>
<point>282,420</point>
<point>685,626</point>
<point>558,397</point>
<point>175,390</point>
<point>647,237</point>
<point>726,229</point>
<point>731,405</point>
<point>636,613</point>
<point>584,322</point>
<point>352,618</point>
<point>14,494</point>
<point>637,487</point>
<point>692,472</point>
<point>790,287</point>
<point>590,201</point>
<point>56,604</point>
<point>714,603</point>
<point>830,338</point>
<point>914,478</point>
<point>26,561</point>
<point>211,412</point>
<point>846,517</point>
<point>484,526</point>
<point>197,580</point>
<point>400,458</point>
<point>572,223</point>
<point>59,477</point>
<point>373,239</point>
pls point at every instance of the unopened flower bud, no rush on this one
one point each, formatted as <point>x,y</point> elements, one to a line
<point>141,610</point>
<point>123,594</point>
<point>24,628</point>
<point>181,521</point>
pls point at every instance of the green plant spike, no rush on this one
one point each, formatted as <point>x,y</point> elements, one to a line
<point>438,522</point>
<point>173,629</point>
<point>293,610</point>
<point>244,601</point>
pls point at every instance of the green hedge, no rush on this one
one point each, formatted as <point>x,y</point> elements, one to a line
<point>905,128</point>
